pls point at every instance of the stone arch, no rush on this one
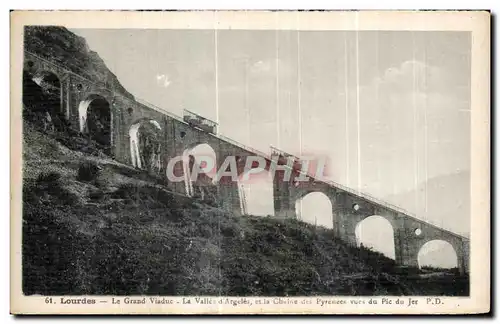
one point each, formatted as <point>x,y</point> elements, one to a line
<point>95,117</point>
<point>437,253</point>
<point>376,232</point>
<point>199,155</point>
<point>256,193</point>
<point>145,144</point>
<point>42,92</point>
<point>315,207</point>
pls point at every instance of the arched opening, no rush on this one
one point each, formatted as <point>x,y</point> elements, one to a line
<point>48,81</point>
<point>376,233</point>
<point>437,254</point>
<point>145,145</point>
<point>95,119</point>
<point>42,98</point>
<point>256,193</point>
<point>199,166</point>
<point>315,208</point>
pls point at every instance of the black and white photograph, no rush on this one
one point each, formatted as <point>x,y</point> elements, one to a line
<point>232,164</point>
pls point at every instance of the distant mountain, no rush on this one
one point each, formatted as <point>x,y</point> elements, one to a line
<point>448,201</point>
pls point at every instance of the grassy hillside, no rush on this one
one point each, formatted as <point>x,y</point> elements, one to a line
<point>94,226</point>
<point>59,45</point>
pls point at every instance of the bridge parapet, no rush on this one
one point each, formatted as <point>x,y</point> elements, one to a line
<point>365,197</point>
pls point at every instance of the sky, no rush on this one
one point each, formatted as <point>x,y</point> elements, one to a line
<point>390,109</point>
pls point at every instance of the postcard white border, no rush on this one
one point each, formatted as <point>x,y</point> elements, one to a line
<point>478,23</point>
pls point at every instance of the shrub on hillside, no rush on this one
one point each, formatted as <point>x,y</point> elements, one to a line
<point>125,191</point>
<point>97,195</point>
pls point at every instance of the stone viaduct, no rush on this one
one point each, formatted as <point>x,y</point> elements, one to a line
<point>78,94</point>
